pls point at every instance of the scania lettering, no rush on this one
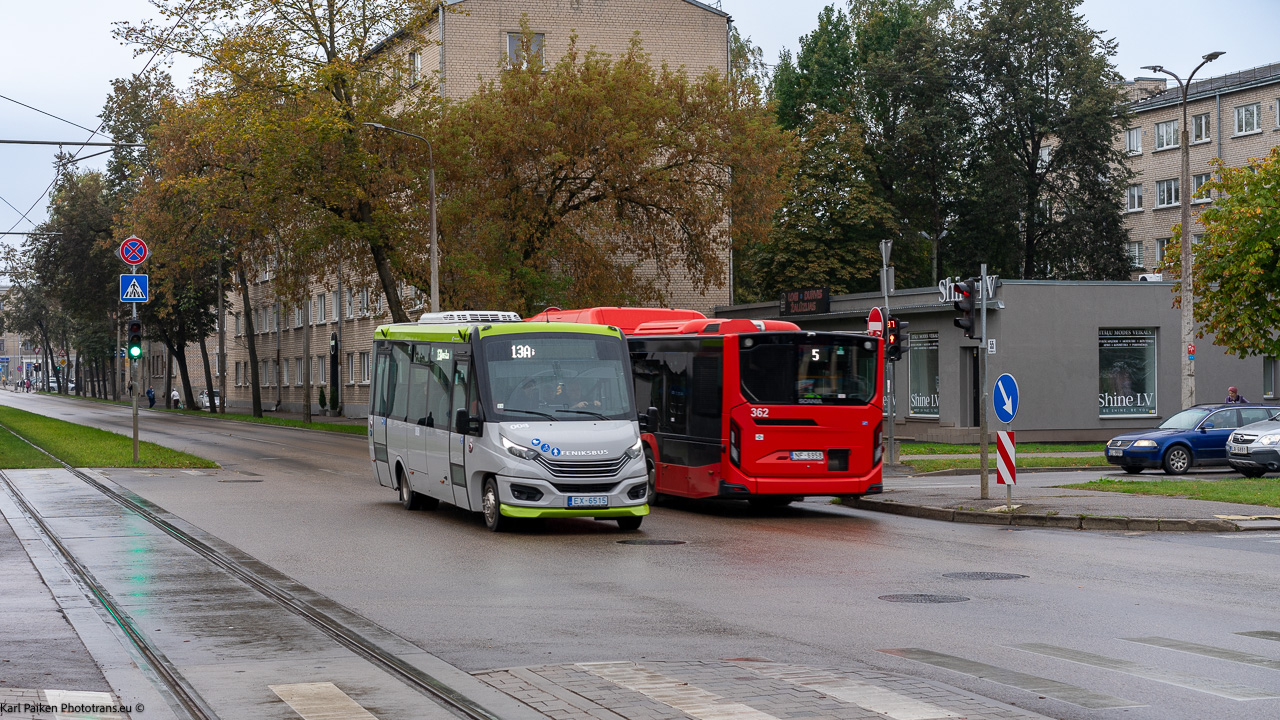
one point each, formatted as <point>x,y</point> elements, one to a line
<point>509,419</point>
<point>753,409</point>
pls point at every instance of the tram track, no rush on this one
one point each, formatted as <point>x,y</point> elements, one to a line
<point>181,692</point>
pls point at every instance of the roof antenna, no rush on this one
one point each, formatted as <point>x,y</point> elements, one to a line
<point>553,308</point>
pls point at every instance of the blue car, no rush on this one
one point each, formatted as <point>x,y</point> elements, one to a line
<point>1195,437</point>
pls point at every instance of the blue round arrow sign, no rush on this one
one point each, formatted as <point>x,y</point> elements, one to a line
<point>1005,397</point>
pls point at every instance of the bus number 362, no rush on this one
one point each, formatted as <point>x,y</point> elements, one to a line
<point>759,412</point>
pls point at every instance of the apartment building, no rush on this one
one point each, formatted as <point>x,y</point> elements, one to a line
<point>1233,118</point>
<point>461,50</point>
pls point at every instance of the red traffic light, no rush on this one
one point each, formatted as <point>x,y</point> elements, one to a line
<point>135,327</point>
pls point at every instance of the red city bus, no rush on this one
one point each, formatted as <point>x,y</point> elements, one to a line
<point>753,409</point>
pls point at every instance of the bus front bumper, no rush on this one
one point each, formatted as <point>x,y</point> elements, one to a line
<point>519,511</point>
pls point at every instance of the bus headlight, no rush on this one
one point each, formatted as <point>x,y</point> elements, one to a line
<point>519,451</point>
<point>634,451</point>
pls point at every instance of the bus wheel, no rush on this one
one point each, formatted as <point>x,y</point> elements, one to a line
<point>631,522</point>
<point>654,497</point>
<point>409,499</point>
<point>493,518</point>
<point>770,502</point>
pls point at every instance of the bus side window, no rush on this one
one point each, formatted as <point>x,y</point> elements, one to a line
<point>704,418</point>
<point>399,395</point>
<point>381,380</point>
<point>439,397</point>
<point>647,374</point>
<point>419,384</point>
<point>675,380</point>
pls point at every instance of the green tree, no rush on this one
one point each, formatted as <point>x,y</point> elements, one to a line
<point>1046,174</point>
<point>1237,262</point>
<point>829,232</point>
<point>565,183</point>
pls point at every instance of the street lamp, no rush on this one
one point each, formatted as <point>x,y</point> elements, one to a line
<point>1184,195</point>
<point>435,253</point>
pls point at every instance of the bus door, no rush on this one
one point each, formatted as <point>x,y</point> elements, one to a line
<point>400,439</point>
<point>438,422</point>
<point>458,440</point>
<point>378,414</point>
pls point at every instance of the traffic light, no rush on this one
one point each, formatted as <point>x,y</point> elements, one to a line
<point>36,368</point>
<point>895,338</point>
<point>967,296</point>
<point>135,339</point>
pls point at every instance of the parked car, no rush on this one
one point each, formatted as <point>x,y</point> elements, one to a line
<point>202,400</point>
<point>1195,437</point>
<point>1254,450</point>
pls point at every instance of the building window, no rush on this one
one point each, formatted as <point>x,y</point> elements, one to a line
<point>351,370</point>
<point>1133,141</point>
<point>415,68</point>
<point>1046,154</point>
<point>1126,372</point>
<point>1133,198</point>
<point>1162,248</point>
<point>317,316</point>
<point>1269,378</point>
<point>1248,119</point>
<point>319,372</point>
<point>364,301</point>
<point>351,309</point>
<point>336,306</point>
<point>364,367</point>
<point>1197,182</point>
<point>1200,128</point>
<point>297,317</point>
<point>922,356</point>
<point>1136,254</point>
<point>516,52</point>
<point>237,378</point>
<point>284,377</point>
<point>302,367</point>
<point>1166,134</point>
<point>1166,193</point>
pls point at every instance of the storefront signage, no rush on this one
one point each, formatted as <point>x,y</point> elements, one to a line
<point>922,354</point>
<point>947,293</point>
<point>809,301</point>
<point>1126,372</point>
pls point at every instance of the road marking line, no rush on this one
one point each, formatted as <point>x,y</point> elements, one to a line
<point>1022,681</point>
<point>677,694</point>
<point>321,701</point>
<point>1262,634</point>
<point>863,694</point>
<point>1229,690</point>
<point>60,698</point>
<point>1208,651</point>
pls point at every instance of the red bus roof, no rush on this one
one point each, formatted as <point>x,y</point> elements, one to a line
<point>626,319</point>
<point>661,321</point>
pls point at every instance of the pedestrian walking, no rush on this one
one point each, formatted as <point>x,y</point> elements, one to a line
<point>151,397</point>
<point>1234,396</point>
<point>174,397</point>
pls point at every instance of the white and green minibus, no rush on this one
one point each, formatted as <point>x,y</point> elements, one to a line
<point>507,418</point>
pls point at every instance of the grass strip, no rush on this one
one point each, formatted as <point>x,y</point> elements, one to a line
<point>83,446</point>
<point>946,449</point>
<point>1246,491</point>
<point>18,455</point>
<point>1023,462</point>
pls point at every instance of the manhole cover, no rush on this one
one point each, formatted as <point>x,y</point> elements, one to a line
<point>982,576</point>
<point>924,599</point>
<point>651,542</point>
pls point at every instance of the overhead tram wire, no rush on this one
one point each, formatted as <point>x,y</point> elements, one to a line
<point>42,112</point>
<point>181,16</point>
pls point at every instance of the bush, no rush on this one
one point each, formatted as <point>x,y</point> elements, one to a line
<point>322,399</point>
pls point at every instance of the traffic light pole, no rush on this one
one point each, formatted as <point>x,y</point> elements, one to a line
<point>133,390</point>
<point>982,378</point>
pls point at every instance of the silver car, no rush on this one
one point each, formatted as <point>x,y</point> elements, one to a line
<point>1254,450</point>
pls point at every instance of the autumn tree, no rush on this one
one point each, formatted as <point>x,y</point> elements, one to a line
<point>597,180</point>
<point>1237,262</point>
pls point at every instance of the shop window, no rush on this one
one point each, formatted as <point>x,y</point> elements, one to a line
<point>922,359</point>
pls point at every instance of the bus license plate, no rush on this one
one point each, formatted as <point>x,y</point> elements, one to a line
<point>598,501</point>
<point>1238,449</point>
<point>806,454</point>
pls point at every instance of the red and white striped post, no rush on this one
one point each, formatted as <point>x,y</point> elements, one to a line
<point>1006,459</point>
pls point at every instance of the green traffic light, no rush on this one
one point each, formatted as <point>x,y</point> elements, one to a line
<point>135,351</point>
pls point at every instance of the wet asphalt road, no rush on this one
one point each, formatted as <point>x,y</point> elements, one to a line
<point>800,585</point>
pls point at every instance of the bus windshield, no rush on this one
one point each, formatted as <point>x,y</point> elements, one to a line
<point>805,368</point>
<point>556,376</point>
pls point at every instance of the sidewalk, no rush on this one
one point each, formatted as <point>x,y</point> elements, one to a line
<point>1039,501</point>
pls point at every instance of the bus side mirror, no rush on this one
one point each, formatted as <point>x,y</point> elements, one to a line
<point>464,423</point>
<point>649,421</point>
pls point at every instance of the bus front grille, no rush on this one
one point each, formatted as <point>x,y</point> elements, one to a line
<point>583,468</point>
<point>585,487</point>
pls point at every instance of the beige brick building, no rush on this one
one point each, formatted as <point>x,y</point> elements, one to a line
<point>460,50</point>
<point>1233,117</point>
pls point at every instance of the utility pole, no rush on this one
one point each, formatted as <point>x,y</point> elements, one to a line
<point>221,402</point>
<point>886,248</point>
<point>982,380</point>
<point>133,371</point>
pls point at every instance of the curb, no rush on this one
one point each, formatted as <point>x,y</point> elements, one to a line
<point>991,469</point>
<point>1069,522</point>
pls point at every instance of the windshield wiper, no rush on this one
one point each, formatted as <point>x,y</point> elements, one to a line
<point>586,412</point>
<point>531,412</point>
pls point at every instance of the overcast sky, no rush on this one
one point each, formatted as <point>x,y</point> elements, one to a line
<point>59,56</point>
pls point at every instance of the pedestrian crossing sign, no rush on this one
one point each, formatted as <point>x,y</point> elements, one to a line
<point>134,288</point>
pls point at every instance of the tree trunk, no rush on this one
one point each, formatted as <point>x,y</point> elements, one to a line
<point>208,377</point>
<point>382,263</point>
<point>254,387</point>
<point>188,398</point>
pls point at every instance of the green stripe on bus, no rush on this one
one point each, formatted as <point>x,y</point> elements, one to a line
<point>529,512</point>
